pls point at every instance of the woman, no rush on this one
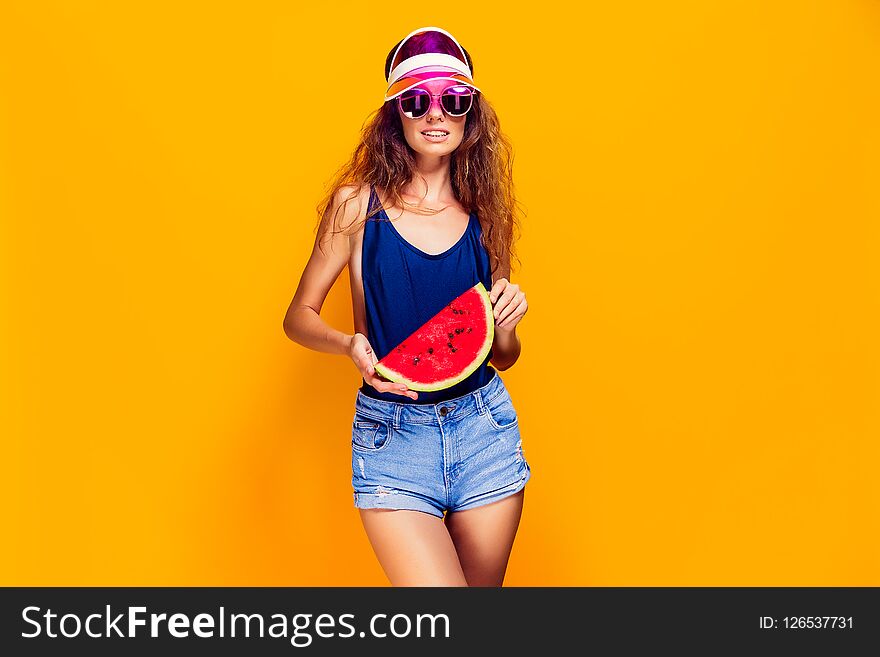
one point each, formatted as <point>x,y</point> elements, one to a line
<point>438,476</point>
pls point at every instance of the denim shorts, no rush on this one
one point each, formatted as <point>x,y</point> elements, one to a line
<point>449,456</point>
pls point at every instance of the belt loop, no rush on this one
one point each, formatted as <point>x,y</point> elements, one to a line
<point>398,407</point>
<point>480,405</point>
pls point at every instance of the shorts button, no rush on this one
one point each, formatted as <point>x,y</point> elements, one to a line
<point>444,410</point>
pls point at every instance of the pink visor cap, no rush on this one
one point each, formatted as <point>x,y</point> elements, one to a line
<point>412,71</point>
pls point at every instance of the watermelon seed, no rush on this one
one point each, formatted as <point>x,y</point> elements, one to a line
<point>416,360</point>
<point>449,344</point>
<point>450,335</point>
<point>454,349</point>
<point>469,329</point>
<point>430,350</point>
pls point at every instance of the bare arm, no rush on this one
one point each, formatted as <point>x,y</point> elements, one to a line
<point>509,306</point>
<point>303,323</point>
<point>506,349</point>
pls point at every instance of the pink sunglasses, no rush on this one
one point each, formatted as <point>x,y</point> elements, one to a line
<point>455,100</point>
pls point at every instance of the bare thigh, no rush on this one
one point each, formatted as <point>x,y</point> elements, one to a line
<point>483,538</point>
<point>414,548</point>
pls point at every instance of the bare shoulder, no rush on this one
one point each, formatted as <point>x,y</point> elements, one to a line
<point>343,220</point>
<point>349,208</point>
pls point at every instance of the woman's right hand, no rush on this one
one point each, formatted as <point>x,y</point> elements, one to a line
<point>364,358</point>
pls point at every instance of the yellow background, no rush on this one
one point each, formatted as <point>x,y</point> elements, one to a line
<point>698,388</point>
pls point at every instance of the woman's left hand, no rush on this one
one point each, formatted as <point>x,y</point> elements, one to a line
<point>509,304</point>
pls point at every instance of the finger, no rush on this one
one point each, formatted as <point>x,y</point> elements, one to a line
<point>366,367</point>
<point>379,380</point>
<point>511,307</point>
<point>387,386</point>
<point>510,321</point>
<point>369,359</point>
<point>517,314</point>
<point>406,392</point>
<point>400,389</point>
<point>499,306</point>
<point>509,293</point>
<point>380,385</point>
<point>497,289</point>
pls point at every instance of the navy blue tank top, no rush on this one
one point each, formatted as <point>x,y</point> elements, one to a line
<point>404,287</point>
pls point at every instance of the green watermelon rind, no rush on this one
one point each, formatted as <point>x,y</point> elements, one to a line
<point>398,377</point>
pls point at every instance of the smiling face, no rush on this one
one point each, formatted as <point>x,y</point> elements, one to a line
<point>436,133</point>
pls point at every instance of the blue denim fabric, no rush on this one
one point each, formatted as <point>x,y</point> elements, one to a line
<point>448,456</point>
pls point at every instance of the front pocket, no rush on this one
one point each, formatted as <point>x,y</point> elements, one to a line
<point>501,413</point>
<point>370,434</point>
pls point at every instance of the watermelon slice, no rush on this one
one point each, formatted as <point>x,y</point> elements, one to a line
<point>447,348</point>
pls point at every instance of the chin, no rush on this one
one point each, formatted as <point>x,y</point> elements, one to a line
<point>439,149</point>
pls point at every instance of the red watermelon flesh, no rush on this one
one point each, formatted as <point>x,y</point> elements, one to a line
<point>447,348</point>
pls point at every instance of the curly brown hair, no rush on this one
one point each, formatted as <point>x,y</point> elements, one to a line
<point>481,169</point>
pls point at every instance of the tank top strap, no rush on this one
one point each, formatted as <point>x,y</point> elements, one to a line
<point>374,199</point>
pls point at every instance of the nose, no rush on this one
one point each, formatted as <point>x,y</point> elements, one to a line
<point>435,110</point>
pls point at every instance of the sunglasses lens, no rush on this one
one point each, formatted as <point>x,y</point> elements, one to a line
<point>414,103</point>
<point>457,100</point>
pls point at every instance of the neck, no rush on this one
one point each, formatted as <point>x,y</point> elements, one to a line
<point>431,180</point>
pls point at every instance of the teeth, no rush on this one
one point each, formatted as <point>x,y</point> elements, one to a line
<point>435,134</point>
